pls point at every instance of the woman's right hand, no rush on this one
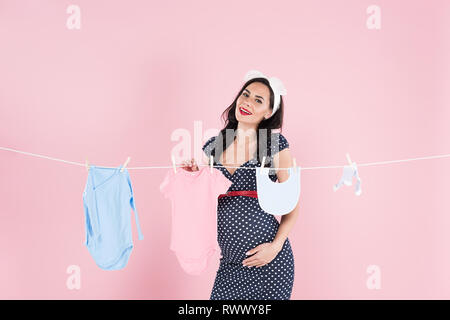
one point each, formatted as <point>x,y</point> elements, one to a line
<point>189,165</point>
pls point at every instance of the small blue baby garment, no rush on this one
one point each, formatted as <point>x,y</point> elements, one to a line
<point>347,177</point>
<point>278,198</point>
<point>108,200</point>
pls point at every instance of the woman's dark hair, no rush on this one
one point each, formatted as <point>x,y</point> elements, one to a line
<point>274,122</point>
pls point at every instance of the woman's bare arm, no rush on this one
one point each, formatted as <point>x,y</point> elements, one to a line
<point>283,159</point>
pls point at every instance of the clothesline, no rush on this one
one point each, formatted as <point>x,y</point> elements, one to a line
<point>171,166</point>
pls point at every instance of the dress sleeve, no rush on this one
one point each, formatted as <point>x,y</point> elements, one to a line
<point>280,143</point>
<point>166,187</point>
<point>209,146</point>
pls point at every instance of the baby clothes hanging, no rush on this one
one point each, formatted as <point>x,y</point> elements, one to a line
<point>194,221</point>
<point>347,177</point>
<point>107,200</point>
<point>278,198</point>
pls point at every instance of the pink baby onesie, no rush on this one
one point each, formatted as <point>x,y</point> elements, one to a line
<point>194,214</point>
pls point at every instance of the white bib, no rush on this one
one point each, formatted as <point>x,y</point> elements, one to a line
<point>278,198</point>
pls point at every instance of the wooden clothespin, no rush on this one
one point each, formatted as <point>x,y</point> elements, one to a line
<point>173,164</point>
<point>87,165</point>
<point>125,164</point>
<point>295,165</point>
<point>211,162</point>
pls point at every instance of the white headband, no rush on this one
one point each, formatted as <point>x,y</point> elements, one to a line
<point>275,83</point>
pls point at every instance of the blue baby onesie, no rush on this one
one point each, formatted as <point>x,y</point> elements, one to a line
<point>107,199</point>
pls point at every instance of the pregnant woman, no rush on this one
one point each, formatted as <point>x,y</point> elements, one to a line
<point>257,262</point>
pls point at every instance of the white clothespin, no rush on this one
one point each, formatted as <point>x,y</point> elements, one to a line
<point>173,164</point>
<point>350,171</point>
<point>211,162</point>
<point>263,162</point>
<point>348,158</point>
<point>87,165</point>
<point>295,165</point>
<point>125,164</point>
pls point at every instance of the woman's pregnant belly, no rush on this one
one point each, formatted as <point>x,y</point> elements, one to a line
<point>241,226</point>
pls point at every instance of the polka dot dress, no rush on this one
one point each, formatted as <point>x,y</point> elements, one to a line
<point>242,225</point>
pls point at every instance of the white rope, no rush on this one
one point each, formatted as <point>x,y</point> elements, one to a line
<point>168,167</point>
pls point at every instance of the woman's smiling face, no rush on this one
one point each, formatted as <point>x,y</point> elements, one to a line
<point>255,99</point>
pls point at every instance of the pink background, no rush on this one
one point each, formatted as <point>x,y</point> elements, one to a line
<point>139,70</point>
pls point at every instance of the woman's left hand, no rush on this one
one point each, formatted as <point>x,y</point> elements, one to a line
<point>265,253</point>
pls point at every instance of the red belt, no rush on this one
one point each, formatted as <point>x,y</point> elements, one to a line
<point>248,193</point>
